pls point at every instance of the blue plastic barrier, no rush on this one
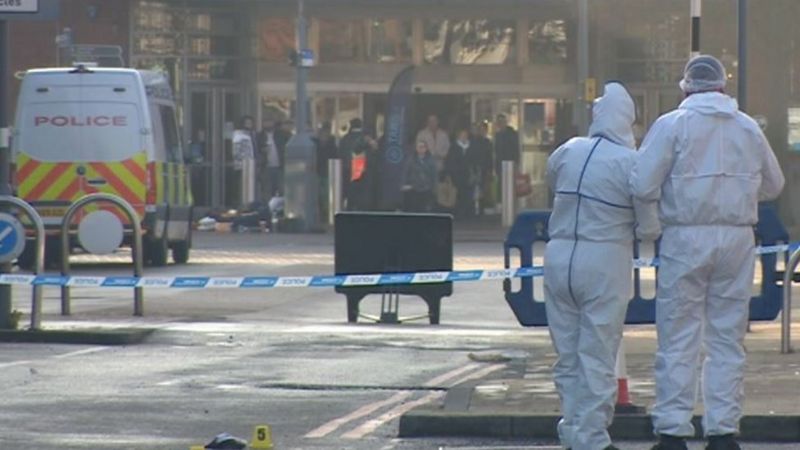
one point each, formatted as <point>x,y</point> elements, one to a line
<point>531,227</point>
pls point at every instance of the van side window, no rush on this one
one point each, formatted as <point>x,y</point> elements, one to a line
<point>172,140</point>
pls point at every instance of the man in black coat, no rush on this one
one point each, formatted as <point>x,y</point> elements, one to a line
<point>506,144</point>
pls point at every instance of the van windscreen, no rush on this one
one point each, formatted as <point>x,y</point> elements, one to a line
<point>80,131</point>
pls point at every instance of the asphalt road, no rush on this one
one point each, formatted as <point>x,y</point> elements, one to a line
<point>225,361</point>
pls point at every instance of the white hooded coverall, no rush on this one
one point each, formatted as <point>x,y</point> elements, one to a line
<point>588,265</point>
<point>709,165</point>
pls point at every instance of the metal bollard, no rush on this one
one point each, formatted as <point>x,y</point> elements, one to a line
<point>507,189</point>
<point>36,300</point>
<point>334,188</point>
<point>786,314</point>
<point>138,254</point>
<point>248,181</point>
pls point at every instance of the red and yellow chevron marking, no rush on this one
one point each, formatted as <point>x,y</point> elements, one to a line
<point>40,181</point>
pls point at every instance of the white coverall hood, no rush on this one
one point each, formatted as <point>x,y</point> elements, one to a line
<point>711,104</point>
<point>613,116</point>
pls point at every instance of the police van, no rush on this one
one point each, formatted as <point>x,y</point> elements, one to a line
<point>89,130</point>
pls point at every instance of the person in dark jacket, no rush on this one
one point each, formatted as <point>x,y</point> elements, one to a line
<point>325,144</point>
<point>270,160</point>
<point>419,180</point>
<point>461,168</point>
<point>326,149</point>
<point>483,159</point>
<point>506,143</point>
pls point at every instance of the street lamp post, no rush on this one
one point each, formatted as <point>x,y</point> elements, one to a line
<point>301,185</point>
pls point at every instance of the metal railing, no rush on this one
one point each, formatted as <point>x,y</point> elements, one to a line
<point>138,257</point>
<point>36,296</point>
<point>786,313</point>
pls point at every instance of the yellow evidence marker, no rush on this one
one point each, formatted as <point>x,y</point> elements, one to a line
<point>262,437</point>
<point>197,447</point>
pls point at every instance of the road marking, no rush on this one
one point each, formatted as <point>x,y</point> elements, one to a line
<point>373,424</point>
<point>366,410</point>
<point>449,375</point>
<point>85,351</point>
<point>23,362</point>
<point>480,373</point>
<point>15,363</point>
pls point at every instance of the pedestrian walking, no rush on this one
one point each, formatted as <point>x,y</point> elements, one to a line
<point>436,139</point>
<point>708,164</point>
<point>484,159</point>
<point>326,148</point>
<point>354,149</point>
<point>460,166</point>
<point>588,265</point>
<point>506,144</point>
<point>270,162</point>
<point>419,180</point>
<point>244,170</point>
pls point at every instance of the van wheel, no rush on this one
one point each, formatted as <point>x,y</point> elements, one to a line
<point>156,252</point>
<point>180,251</point>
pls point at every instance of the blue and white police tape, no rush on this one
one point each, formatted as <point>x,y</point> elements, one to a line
<point>642,263</point>
<point>272,282</point>
<point>267,282</point>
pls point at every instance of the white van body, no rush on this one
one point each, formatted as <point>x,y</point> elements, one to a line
<point>86,130</point>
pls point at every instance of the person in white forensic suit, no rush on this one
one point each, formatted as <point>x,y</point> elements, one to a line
<point>709,165</point>
<point>588,265</point>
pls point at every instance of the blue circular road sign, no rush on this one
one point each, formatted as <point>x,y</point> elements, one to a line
<point>12,238</point>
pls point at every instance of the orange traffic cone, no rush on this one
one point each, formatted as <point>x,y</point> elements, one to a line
<point>624,403</point>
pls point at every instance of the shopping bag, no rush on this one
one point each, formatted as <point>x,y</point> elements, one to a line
<point>522,185</point>
<point>446,193</point>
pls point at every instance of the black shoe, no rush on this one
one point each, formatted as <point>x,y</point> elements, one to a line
<point>669,442</point>
<point>723,442</point>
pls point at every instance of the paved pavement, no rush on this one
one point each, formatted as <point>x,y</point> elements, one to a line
<point>224,361</point>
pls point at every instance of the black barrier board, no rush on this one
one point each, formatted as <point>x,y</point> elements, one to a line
<point>377,243</point>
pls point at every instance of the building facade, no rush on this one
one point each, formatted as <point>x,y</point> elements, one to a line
<point>475,59</point>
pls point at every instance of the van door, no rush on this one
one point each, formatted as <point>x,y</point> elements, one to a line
<point>174,183</point>
<point>75,137</point>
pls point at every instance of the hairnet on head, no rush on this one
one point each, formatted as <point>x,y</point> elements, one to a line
<point>703,73</point>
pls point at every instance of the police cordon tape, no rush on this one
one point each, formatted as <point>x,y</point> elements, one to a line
<point>268,282</point>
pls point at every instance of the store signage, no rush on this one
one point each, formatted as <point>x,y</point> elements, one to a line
<point>19,6</point>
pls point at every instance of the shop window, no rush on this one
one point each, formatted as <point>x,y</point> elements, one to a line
<point>277,39</point>
<point>652,51</point>
<point>278,109</point>
<point>155,16</point>
<point>216,23</point>
<point>547,42</point>
<point>477,42</point>
<point>157,44</point>
<point>390,40</point>
<point>349,108</point>
<point>214,46</point>
<point>342,41</point>
<point>213,70</point>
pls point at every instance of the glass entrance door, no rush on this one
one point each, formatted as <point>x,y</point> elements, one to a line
<point>212,119</point>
